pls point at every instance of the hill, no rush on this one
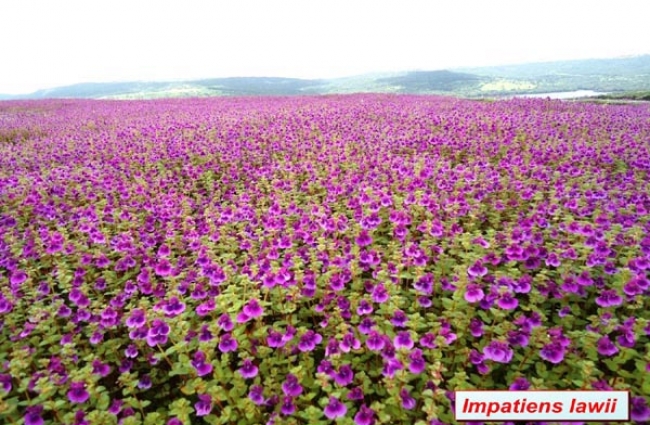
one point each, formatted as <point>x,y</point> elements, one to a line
<point>599,75</point>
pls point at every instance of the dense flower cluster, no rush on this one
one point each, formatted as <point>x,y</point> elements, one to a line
<point>310,259</point>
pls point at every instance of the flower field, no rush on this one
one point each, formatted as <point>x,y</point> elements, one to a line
<point>310,260</point>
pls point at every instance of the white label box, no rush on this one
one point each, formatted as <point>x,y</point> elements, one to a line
<point>542,405</point>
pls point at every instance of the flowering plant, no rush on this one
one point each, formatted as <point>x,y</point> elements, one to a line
<point>317,259</point>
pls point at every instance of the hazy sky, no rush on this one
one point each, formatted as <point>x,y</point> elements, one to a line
<point>50,43</point>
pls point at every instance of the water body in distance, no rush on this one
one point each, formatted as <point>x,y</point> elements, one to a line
<point>563,94</point>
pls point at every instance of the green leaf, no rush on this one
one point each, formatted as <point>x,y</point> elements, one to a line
<point>132,420</point>
<point>212,419</point>
<point>103,402</point>
<point>645,388</point>
<point>181,407</point>
<point>153,418</point>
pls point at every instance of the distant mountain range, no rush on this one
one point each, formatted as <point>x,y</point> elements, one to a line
<point>600,75</point>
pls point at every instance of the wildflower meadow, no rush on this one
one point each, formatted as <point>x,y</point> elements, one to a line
<point>349,259</point>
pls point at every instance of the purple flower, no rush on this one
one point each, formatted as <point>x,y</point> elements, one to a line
<point>428,340</point>
<point>417,364</point>
<point>125,366</point>
<point>601,385</point>
<point>325,367</point>
<point>408,402</point>
<point>364,308</point>
<point>163,268</point>
<point>225,322</point>
<point>606,347</point>
<point>476,327</point>
<point>215,274</point>
<point>375,341</point>
<point>131,351</point>
<point>518,338</point>
<point>115,407</point>
<point>425,302</point>
<point>289,334</point>
<point>388,352</point>
<point>174,307</point>
<point>337,283</point>
<point>33,415</point>
<point>203,407</point>
<point>64,311</point>
<point>564,311</point>
<point>507,301</point>
<point>18,277</point>
<point>380,294</point>
<point>639,410</point>
<point>157,333</point>
<point>242,317</point>
<point>425,284</point>
<point>275,339</point>
<point>552,352</point>
<point>498,351</point>
<point>309,340</point>
<point>480,241</point>
<point>139,333</point>
<point>520,384</point>
<point>482,368</point>
<point>366,325</point>
<point>399,319</point>
<point>365,416</point>
<point>287,408</point>
<point>344,376</point>
<point>355,393</point>
<point>349,342</point>
<point>5,382</point>
<point>363,239</point>
<point>100,368</point>
<point>522,285</point>
<point>584,279</point>
<point>126,412</point>
<point>609,298</point>
<point>632,288</point>
<point>5,305</point>
<point>253,309</point>
<point>534,320</point>
<point>204,334</point>
<point>80,416</point>
<point>477,270</point>
<point>256,395</point>
<point>531,263</point>
<point>144,383</point>
<point>248,369</point>
<point>227,343</point>
<point>291,386</point>
<point>642,282</point>
<point>96,337</point>
<point>200,365</point>
<point>403,340</point>
<point>77,392</point>
<point>474,293</point>
<point>627,338</point>
<point>164,251</point>
<point>335,409</point>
